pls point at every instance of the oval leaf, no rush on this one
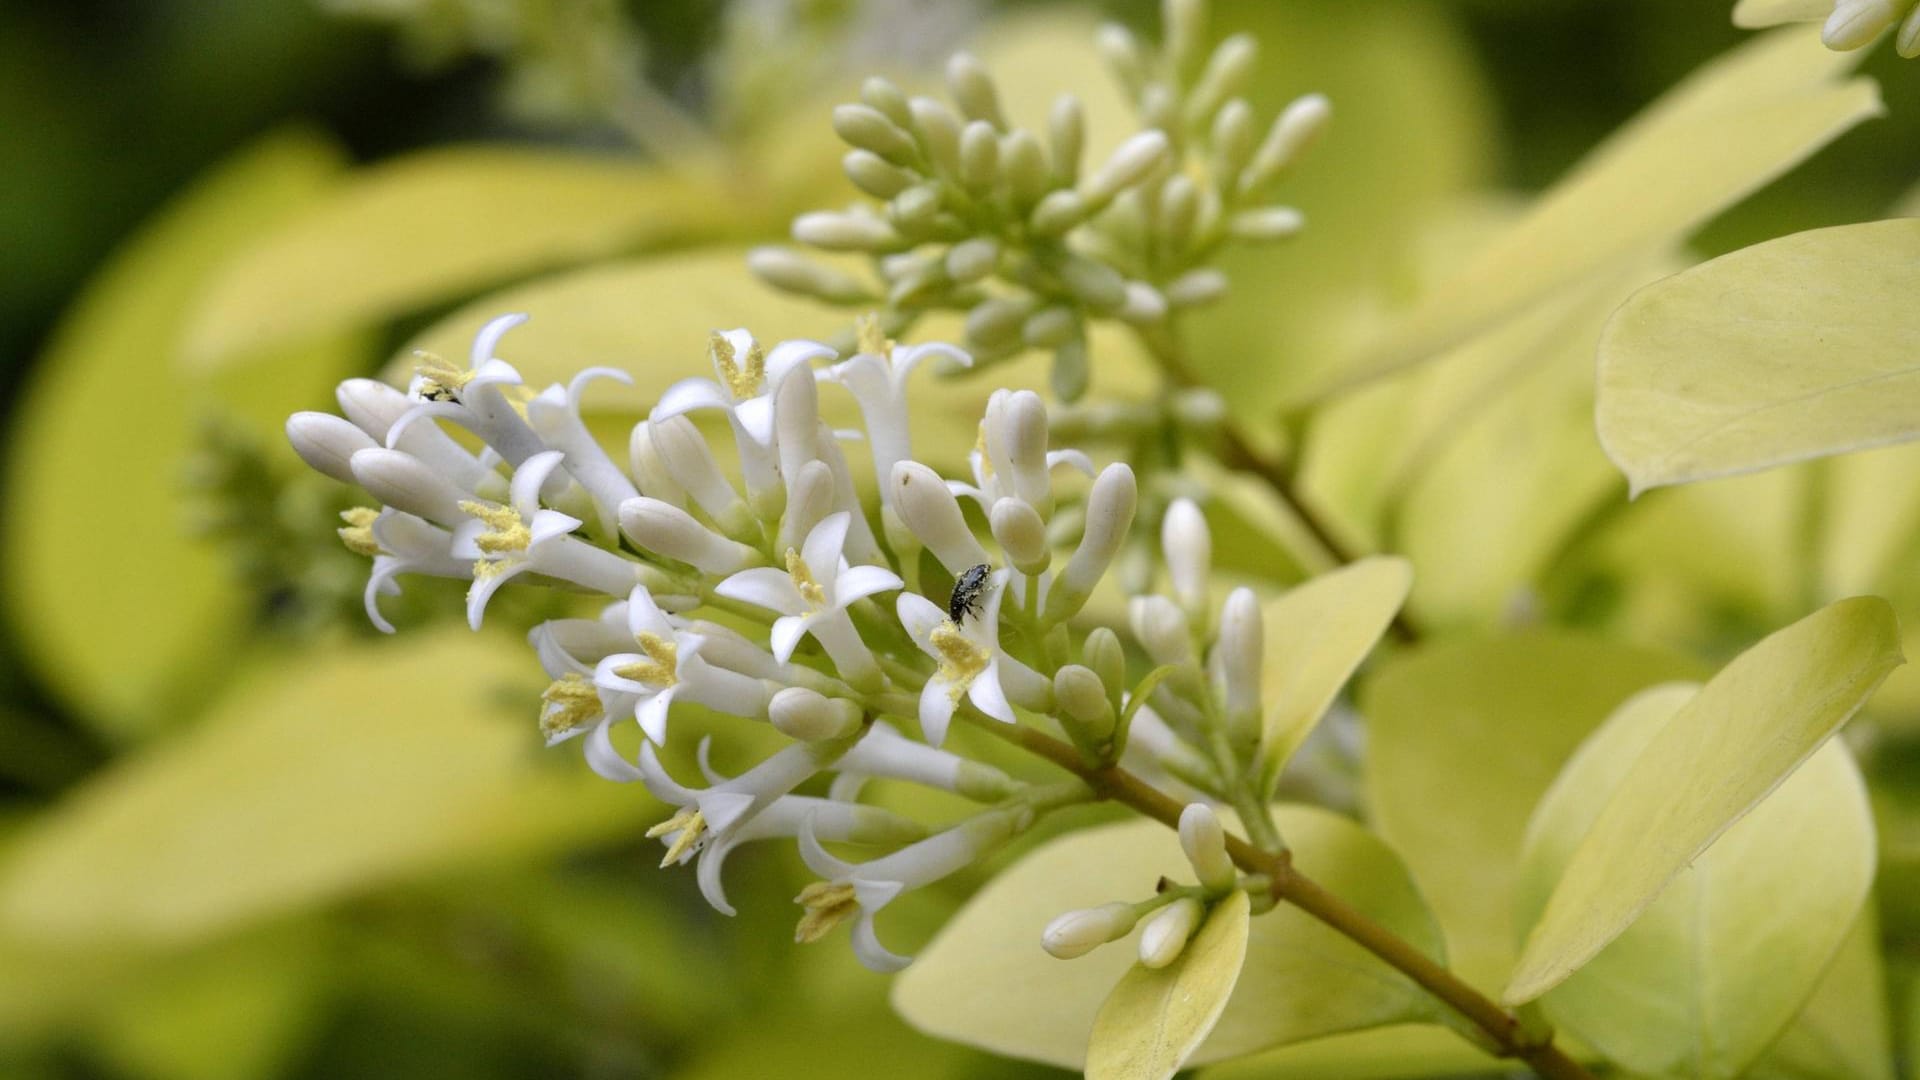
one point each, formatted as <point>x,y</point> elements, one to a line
<point>1316,635</point>
<point>1759,14</point>
<point>1712,971</point>
<point>347,770</point>
<point>433,225</point>
<point>1779,352</point>
<point>1746,731</point>
<point>985,980</point>
<point>1155,1018</point>
<point>1731,127</point>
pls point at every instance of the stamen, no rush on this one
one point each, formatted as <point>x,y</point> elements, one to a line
<point>961,658</point>
<point>660,668</point>
<point>570,702</point>
<point>505,531</point>
<point>746,378</point>
<point>439,379</point>
<point>358,535</point>
<point>827,904</point>
<point>870,338</point>
<point>690,826</point>
<point>810,590</point>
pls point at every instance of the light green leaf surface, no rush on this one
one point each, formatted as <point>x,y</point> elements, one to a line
<point>1727,130</point>
<point>1745,732</point>
<point>311,781</point>
<point>435,224</point>
<point>1463,737</point>
<point>1712,971</point>
<point>119,609</point>
<point>1316,635</point>
<point>1779,352</point>
<point>985,980</point>
<point>1400,1052</point>
<point>1844,1032</point>
<point>1156,1017</point>
<point>1869,520</point>
<point>1759,14</point>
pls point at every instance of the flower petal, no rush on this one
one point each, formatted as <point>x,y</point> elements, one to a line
<point>920,617</point>
<point>936,710</point>
<point>859,582</point>
<point>872,955</point>
<point>484,586</point>
<point>764,586</point>
<point>529,478</point>
<point>821,550</point>
<point>489,337</point>
<point>651,712</point>
<point>688,395</point>
<point>786,635</point>
<point>603,759</point>
<point>986,694</point>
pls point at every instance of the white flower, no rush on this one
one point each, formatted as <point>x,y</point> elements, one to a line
<point>748,376</point>
<point>718,813</point>
<point>968,654</point>
<point>669,664</point>
<point>506,541</point>
<point>859,890</point>
<point>1011,459</point>
<point>879,384</point>
<point>555,415</point>
<point>400,544</point>
<point>884,752</point>
<point>476,398</point>
<point>812,594</point>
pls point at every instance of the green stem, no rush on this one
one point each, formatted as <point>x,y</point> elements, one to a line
<point>1503,1030</point>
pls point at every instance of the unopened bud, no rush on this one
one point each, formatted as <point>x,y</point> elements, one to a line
<point>1082,697</point>
<point>867,128</point>
<point>1237,655</point>
<point>1907,41</point>
<point>1165,935</point>
<point>1271,223</point>
<point>1103,654</point>
<point>1071,373</point>
<point>1161,628</point>
<point>915,210</point>
<point>1095,284</point>
<point>688,459</point>
<point>1205,843</point>
<point>649,469</point>
<point>1078,933</point>
<point>1184,26</point>
<point>667,530</point>
<point>1145,306</point>
<point>979,155</point>
<point>1122,52</point>
<point>1196,287</point>
<point>971,260</point>
<point>845,232</point>
<point>1232,142</point>
<point>1225,75</point>
<point>972,89</point>
<point>1110,507</point>
<point>1023,164</point>
<point>373,406</point>
<point>1058,212</point>
<point>327,443</point>
<point>1051,327</point>
<point>874,175</point>
<point>995,324</point>
<point>800,713</point>
<point>1067,137</point>
<point>795,273</point>
<point>403,482</point>
<point>928,508</point>
<point>1135,158</point>
<point>1020,532</point>
<point>1179,209</point>
<point>887,99</point>
<point>1295,129</point>
<point>1187,545</point>
<point>939,132</point>
<point>1854,23</point>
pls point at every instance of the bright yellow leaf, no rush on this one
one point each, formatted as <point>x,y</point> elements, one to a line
<point>1156,1017</point>
<point>1747,730</point>
<point>1845,1032</point>
<point>1759,14</point>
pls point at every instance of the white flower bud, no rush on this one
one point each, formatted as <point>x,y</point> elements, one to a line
<point>887,99</point>
<point>875,175</point>
<point>796,422</point>
<point>1907,41</point>
<point>650,473</point>
<point>1145,306</point>
<point>1103,654</point>
<point>1225,75</point>
<point>1165,935</point>
<point>930,511</point>
<point>1058,212</point>
<point>810,498</point>
<point>972,89</point>
<point>1138,156</point>
<point>845,232</point>
<point>979,155</point>
<point>1096,284</point>
<point>1205,843</point>
<point>1122,52</point>
<point>1067,137</point>
<point>1161,628</point>
<point>939,132</point>
<point>795,273</point>
<point>1179,209</point>
<point>1187,546</point>
<point>1295,129</point>
<point>1232,142</point>
<point>912,212</point>
<point>687,458</point>
<point>1110,507</point>
<point>1051,327</point>
<point>1269,223</point>
<point>1025,419</point>
<point>800,713</point>
<point>665,529</point>
<point>867,128</point>
<point>995,324</point>
<point>1080,694</point>
<point>1018,530</point>
<point>971,260</point>
<point>1237,654</point>
<point>327,443</point>
<point>1184,26</point>
<point>373,406</point>
<point>403,482</point>
<point>1023,163</point>
<point>1077,933</point>
<point>1854,23</point>
<point>1196,287</point>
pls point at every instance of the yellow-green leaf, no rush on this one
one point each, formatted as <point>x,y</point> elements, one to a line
<point>436,224</point>
<point>1746,731</point>
<point>1869,519</point>
<point>1316,635</point>
<point>1779,352</point>
<point>315,779</point>
<point>1401,1052</point>
<point>1506,711</point>
<point>1714,969</point>
<point>1156,1017</point>
<point>1844,1033</point>
<point>985,980</point>
<point>1759,14</point>
<point>1724,132</point>
<point>121,611</point>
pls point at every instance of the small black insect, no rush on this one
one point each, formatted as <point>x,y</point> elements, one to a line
<point>966,592</point>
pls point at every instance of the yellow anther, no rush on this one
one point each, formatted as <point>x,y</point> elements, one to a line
<point>961,659</point>
<point>439,379</point>
<point>358,535</point>
<point>744,377</point>
<point>828,905</point>
<point>871,340</point>
<point>691,827</point>
<point>505,531</point>
<point>810,590</point>
<point>659,668</point>
<point>570,702</point>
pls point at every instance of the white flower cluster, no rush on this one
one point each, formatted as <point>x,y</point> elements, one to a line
<point>687,556</point>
